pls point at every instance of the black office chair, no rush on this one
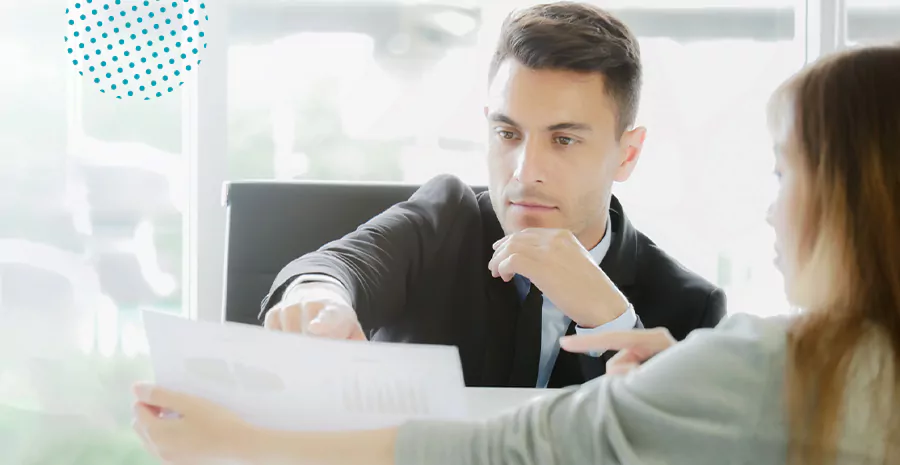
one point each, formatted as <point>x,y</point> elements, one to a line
<point>271,223</point>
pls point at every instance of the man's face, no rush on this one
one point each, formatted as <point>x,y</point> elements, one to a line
<point>554,151</point>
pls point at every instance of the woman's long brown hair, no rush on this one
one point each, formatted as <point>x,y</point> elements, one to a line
<point>845,116</point>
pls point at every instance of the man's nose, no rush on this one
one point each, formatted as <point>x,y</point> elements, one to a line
<point>530,163</point>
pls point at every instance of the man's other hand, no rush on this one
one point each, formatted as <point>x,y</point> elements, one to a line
<point>555,262</point>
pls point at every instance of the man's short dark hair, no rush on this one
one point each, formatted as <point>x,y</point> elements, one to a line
<point>577,37</point>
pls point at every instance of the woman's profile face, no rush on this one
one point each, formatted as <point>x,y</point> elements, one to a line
<point>786,211</point>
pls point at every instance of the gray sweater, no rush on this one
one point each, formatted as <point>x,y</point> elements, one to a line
<point>714,399</point>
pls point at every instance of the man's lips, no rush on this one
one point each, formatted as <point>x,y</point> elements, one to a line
<point>532,205</point>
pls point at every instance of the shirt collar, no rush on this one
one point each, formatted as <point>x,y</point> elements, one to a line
<point>599,251</point>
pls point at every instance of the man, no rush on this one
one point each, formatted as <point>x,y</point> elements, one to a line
<point>503,275</point>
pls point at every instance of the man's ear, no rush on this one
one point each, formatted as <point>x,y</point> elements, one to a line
<point>631,145</point>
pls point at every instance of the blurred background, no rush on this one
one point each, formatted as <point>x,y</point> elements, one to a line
<point>108,207</point>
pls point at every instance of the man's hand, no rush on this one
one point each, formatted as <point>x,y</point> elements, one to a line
<point>317,309</point>
<point>182,429</point>
<point>563,270</point>
<point>635,346</point>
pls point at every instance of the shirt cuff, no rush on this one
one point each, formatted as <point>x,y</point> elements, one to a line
<point>623,322</point>
<point>315,278</point>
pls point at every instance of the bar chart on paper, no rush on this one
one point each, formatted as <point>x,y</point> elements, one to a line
<point>365,394</point>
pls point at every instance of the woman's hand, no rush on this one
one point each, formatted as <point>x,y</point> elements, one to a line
<point>183,429</point>
<point>202,432</point>
<point>634,346</point>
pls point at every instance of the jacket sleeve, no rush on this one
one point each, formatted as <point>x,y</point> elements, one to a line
<point>378,262</point>
<point>698,402</point>
<point>716,308</point>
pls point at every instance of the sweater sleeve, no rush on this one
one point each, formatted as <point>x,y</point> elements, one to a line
<point>698,402</point>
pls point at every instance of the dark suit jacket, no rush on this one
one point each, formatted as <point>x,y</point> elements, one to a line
<point>418,273</point>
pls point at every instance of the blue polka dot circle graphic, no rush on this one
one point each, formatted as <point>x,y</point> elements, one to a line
<point>136,48</point>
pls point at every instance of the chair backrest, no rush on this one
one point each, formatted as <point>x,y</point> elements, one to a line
<point>271,223</point>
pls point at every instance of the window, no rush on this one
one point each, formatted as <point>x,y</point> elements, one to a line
<point>704,182</point>
<point>872,21</point>
<point>381,91</point>
<point>92,198</point>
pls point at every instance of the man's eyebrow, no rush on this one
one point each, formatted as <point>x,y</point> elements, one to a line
<point>569,127</point>
<point>501,118</point>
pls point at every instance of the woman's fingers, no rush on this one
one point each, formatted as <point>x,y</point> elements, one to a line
<point>634,347</point>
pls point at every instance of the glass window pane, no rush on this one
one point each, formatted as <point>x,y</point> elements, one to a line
<point>91,194</point>
<point>704,181</point>
<point>326,91</point>
<point>873,21</point>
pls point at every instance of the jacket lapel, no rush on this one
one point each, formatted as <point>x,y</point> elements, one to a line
<point>621,259</point>
<point>620,265</point>
<point>503,307</point>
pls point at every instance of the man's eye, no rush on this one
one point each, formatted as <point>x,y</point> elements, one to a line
<point>508,135</point>
<point>563,140</point>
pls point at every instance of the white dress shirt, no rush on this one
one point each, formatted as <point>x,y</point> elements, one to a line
<point>554,322</point>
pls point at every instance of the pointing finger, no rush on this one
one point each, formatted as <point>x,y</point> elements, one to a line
<point>653,341</point>
<point>623,362</point>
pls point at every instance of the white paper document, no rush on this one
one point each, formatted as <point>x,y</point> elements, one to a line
<point>293,382</point>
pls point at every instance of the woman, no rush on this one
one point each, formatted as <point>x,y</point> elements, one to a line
<point>816,388</point>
